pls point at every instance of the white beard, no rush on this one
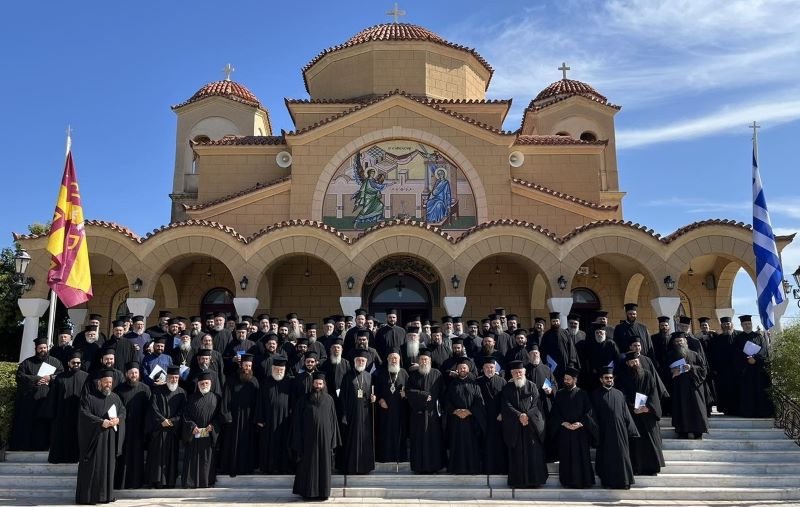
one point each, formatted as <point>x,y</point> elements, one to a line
<point>520,382</point>
<point>425,369</point>
<point>139,332</point>
<point>360,368</point>
<point>186,347</point>
<point>393,368</point>
<point>219,328</point>
<point>91,340</point>
<point>536,362</point>
<point>203,367</point>
<point>278,376</point>
<point>335,359</point>
<point>412,348</point>
<point>204,390</point>
<point>312,340</point>
<point>172,386</point>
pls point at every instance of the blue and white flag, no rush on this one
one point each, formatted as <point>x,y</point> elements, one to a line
<point>769,280</point>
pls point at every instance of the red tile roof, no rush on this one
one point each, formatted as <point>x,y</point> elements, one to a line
<point>243,141</point>
<point>552,140</point>
<point>564,89</point>
<point>228,89</point>
<point>240,193</point>
<point>368,98</point>
<point>566,197</point>
<point>395,32</point>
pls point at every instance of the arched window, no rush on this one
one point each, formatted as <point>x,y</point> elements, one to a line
<point>403,292</point>
<point>198,139</point>
<point>585,303</point>
<point>219,299</point>
<point>588,136</point>
<point>584,296</point>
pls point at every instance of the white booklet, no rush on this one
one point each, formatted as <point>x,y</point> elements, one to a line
<point>677,364</point>
<point>750,349</point>
<point>48,369</point>
<point>112,413</point>
<point>640,401</point>
<point>157,373</point>
<point>552,364</point>
<point>184,372</point>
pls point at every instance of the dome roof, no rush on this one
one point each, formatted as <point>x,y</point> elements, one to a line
<point>225,88</point>
<point>564,88</point>
<point>396,32</point>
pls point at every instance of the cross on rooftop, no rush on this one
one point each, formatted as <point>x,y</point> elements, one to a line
<point>396,12</point>
<point>228,70</point>
<point>564,69</point>
<point>754,126</point>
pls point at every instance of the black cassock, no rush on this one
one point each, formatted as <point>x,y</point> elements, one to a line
<point>389,338</point>
<point>65,401</point>
<point>526,461</point>
<point>201,411</point>
<point>538,374</point>
<point>31,411</point>
<point>164,441</point>
<point>752,379</point>
<point>391,423</point>
<point>721,357</point>
<point>425,423</point>
<point>238,454</point>
<point>464,436</point>
<point>613,461</point>
<point>601,354</point>
<point>99,447</point>
<point>315,436</point>
<point>558,346</point>
<point>574,461</point>
<point>647,456</point>
<point>625,333</point>
<point>273,417</point>
<point>334,373</point>
<point>124,351</point>
<point>357,455</point>
<point>495,455</point>
<point>688,400</point>
<point>130,466</point>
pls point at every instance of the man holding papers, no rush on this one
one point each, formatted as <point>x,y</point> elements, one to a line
<point>34,376</point>
<point>750,357</point>
<point>688,370</point>
<point>101,432</point>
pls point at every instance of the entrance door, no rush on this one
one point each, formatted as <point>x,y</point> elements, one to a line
<point>403,292</point>
<point>585,303</point>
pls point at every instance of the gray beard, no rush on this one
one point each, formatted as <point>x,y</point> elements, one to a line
<point>684,351</point>
<point>393,368</point>
<point>91,340</point>
<point>219,328</point>
<point>186,347</point>
<point>335,359</point>
<point>536,362</point>
<point>204,390</point>
<point>278,377</point>
<point>520,382</point>
<point>359,369</point>
<point>600,339</point>
<point>424,370</point>
<point>412,348</point>
<point>106,391</point>
<point>172,387</point>
<point>312,340</point>
<point>203,367</point>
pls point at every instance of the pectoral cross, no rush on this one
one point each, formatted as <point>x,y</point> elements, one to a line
<point>564,69</point>
<point>228,70</point>
<point>396,12</point>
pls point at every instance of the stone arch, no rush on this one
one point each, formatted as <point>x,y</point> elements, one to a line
<point>398,132</point>
<point>288,288</point>
<point>539,292</point>
<point>731,242</point>
<point>169,289</point>
<point>506,279</point>
<point>724,294</point>
<point>117,247</point>
<point>632,288</point>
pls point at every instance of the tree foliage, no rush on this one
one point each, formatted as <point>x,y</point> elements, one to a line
<point>784,362</point>
<point>10,316</point>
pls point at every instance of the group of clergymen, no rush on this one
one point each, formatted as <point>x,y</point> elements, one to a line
<point>192,397</point>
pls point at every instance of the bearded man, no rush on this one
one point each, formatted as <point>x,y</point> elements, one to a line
<point>273,411</point>
<point>424,389</point>
<point>688,370</point>
<point>202,420</point>
<point>391,420</point>
<point>135,395</point>
<point>238,409</point>
<point>34,376</point>
<point>167,403</point>
<point>358,455</point>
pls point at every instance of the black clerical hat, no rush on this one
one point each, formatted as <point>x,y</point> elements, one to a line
<point>745,318</point>
<point>572,372</point>
<point>118,323</point>
<point>164,313</point>
<point>205,375</point>
<point>95,316</point>
<point>631,306</point>
<point>516,365</point>
<point>204,352</point>
<point>132,364</point>
<point>520,331</point>
<point>242,326</point>
<point>540,319</point>
<point>173,370</point>
<point>319,375</point>
<point>703,320</point>
<point>555,315</point>
<point>247,358</point>
<point>362,353</point>
<point>457,341</point>
<point>106,372</point>
<point>631,355</point>
<point>605,370</point>
<point>41,340</point>
<point>279,360</point>
<point>685,319</point>
<point>663,318</point>
<point>724,320</point>
<point>311,355</point>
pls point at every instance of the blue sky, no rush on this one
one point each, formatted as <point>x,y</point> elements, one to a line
<point>690,75</point>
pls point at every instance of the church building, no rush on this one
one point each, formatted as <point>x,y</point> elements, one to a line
<point>398,187</point>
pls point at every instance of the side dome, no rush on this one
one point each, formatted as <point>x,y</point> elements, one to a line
<point>564,88</point>
<point>225,88</point>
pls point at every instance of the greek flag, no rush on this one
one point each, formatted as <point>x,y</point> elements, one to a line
<point>769,282</point>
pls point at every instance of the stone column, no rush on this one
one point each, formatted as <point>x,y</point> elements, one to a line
<point>245,306</point>
<point>349,305</point>
<point>454,305</point>
<point>666,306</point>
<point>562,306</point>
<point>32,309</point>
<point>141,306</point>
<point>78,318</point>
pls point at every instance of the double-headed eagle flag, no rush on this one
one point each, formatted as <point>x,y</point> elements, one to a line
<point>69,275</point>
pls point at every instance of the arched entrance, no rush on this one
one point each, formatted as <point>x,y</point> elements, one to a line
<point>585,303</point>
<point>218,299</point>
<point>404,283</point>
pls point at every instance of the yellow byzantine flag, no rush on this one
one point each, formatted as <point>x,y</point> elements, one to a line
<point>69,275</point>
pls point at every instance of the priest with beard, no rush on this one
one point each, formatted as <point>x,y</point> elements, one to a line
<point>302,382</point>
<point>124,350</point>
<point>557,348</point>
<point>523,430</point>
<point>635,382</point>
<point>357,395</point>
<point>101,432</point>
<point>541,376</point>
<point>488,350</point>
<point>183,354</point>
<point>502,340</point>
<point>238,409</point>
<point>616,426</point>
<point>263,352</point>
<point>439,350</point>
<point>273,418</point>
<point>661,341</point>
<point>316,344</point>
<point>205,363</point>
<point>722,356</point>
<point>89,347</point>
<point>424,389</point>
<point>495,457</point>
<point>390,336</point>
<point>630,327</point>
<point>64,402</point>
<point>575,430</point>
<point>236,348</point>
<point>135,395</point>
<point>603,352</point>
<point>519,352</point>
<point>219,334</point>
<point>459,355</point>
<point>202,419</point>
<point>391,418</point>
<point>464,422</point>
<point>688,369</point>
<point>335,368</point>
<point>409,351</point>
<point>537,331</point>
<point>31,421</point>
<point>752,377</point>
<point>137,336</point>
<point>360,325</point>
<point>159,361</point>
<point>163,425</point>
<point>63,349</point>
<point>374,361</point>
<point>315,437</point>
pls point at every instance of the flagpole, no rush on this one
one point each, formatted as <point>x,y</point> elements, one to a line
<point>51,321</point>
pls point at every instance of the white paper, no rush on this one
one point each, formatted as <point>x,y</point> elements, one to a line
<point>610,364</point>
<point>547,384</point>
<point>157,372</point>
<point>112,413</point>
<point>184,371</point>
<point>48,369</point>
<point>677,364</point>
<point>337,392</point>
<point>552,363</point>
<point>640,401</point>
<point>750,349</point>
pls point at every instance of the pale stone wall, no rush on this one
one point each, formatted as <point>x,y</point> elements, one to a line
<point>251,218</point>
<point>312,297</point>
<point>554,219</point>
<point>574,173</point>
<point>486,289</point>
<point>236,169</point>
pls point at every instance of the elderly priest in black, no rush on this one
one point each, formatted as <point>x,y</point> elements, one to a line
<point>495,457</point>
<point>202,419</point>
<point>135,395</point>
<point>391,412</point>
<point>642,393</point>
<point>523,430</point>
<point>34,376</point>
<point>164,430</point>
<point>64,401</point>
<point>612,460</point>
<point>688,375</point>
<point>358,451</point>
<point>752,377</point>
<point>239,409</point>
<point>575,430</point>
<point>273,418</point>
<point>465,422</point>
<point>315,437</point>
<point>425,387</point>
<point>101,432</point>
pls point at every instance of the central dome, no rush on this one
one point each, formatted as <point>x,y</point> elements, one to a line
<point>397,56</point>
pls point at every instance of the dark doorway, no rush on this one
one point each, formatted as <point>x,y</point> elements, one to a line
<point>218,300</point>
<point>404,292</point>
<point>585,303</point>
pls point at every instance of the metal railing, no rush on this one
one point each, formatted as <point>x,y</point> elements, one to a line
<point>787,414</point>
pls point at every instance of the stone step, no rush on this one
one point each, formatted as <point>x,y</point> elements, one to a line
<point>29,468</point>
<point>37,481</point>
<point>754,481</point>
<point>699,455</point>
<point>26,456</point>
<point>719,422</point>
<point>782,444</point>
<point>552,492</point>
<point>241,494</point>
<point>731,467</point>
<point>732,433</point>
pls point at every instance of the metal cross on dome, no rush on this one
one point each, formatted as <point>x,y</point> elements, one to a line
<point>396,12</point>
<point>228,70</point>
<point>564,69</point>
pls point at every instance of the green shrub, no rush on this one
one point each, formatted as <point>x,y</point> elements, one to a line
<point>785,362</point>
<point>8,390</point>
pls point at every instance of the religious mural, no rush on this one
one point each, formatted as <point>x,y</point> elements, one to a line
<point>399,179</point>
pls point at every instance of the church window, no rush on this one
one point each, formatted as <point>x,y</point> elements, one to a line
<point>219,299</point>
<point>588,136</point>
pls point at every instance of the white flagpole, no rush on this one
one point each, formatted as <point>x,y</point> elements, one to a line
<point>51,321</point>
